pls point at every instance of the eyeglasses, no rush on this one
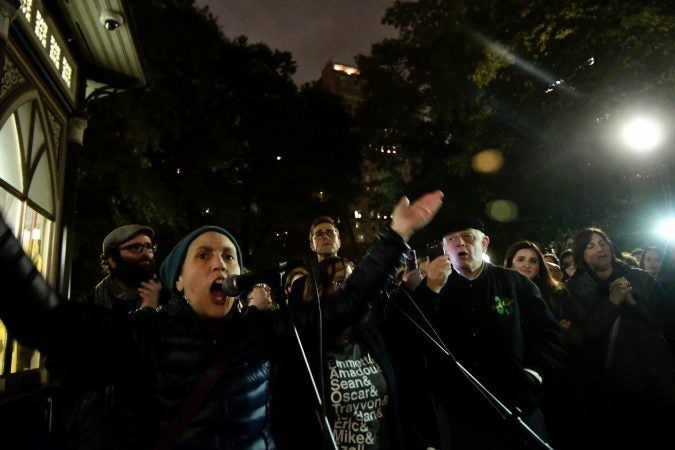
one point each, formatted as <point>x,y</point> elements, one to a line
<point>466,237</point>
<point>140,248</point>
<point>325,234</point>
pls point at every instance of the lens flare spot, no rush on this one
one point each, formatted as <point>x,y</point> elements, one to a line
<point>502,210</point>
<point>487,161</point>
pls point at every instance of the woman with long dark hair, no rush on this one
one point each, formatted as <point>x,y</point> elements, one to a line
<point>560,405</point>
<point>628,340</point>
<point>526,258</point>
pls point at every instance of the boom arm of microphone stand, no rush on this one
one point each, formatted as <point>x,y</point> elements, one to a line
<point>319,404</point>
<point>503,411</point>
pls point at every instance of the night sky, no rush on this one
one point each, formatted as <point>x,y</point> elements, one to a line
<point>314,31</point>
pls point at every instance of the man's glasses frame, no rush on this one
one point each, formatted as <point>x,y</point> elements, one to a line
<point>325,233</point>
<point>467,238</point>
<point>140,248</point>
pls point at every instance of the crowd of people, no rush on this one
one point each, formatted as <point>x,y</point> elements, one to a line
<point>575,350</point>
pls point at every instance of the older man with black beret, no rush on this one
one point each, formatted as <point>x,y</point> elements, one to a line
<point>496,324</point>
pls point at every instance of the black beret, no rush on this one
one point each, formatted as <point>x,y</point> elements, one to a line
<point>464,223</point>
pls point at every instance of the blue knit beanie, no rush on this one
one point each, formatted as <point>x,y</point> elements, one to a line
<point>170,269</point>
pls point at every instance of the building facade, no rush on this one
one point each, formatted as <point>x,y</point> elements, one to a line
<point>56,56</point>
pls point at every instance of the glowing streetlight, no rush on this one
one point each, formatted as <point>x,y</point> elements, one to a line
<point>666,228</point>
<point>642,134</point>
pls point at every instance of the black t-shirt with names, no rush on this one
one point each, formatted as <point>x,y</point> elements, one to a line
<point>358,398</point>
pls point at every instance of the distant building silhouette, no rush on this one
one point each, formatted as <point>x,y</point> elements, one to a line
<point>366,220</point>
<point>343,81</point>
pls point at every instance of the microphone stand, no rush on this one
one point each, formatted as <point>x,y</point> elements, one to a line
<point>501,409</point>
<point>319,406</point>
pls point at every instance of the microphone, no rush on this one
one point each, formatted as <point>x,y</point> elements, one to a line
<point>236,284</point>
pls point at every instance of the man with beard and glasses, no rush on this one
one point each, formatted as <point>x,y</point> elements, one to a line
<point>128,260</point>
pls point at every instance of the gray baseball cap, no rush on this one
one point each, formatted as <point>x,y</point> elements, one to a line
<point>120,235</point>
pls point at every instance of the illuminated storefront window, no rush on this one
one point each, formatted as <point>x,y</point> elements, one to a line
<point>27,205</point>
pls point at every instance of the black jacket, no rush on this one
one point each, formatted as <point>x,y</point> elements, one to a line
<point>496,326</point>
<point>630,347</point>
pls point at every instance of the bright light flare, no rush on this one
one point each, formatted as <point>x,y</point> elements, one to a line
<point>642,134</point>
<point>666,228</point>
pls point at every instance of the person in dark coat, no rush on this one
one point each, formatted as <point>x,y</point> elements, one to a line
<point>360,393</point>
<point>628,327</point>
<point>497,325</point>
<point>157,357</point>
<point>130,282</point>
<point>561,402</point>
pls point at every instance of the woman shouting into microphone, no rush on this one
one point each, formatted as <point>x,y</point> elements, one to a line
<point>193,374</point>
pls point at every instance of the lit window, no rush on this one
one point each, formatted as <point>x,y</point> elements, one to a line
<point>32,226</point>
<point>26,7</point>
<point>66,72</point>
<point>55,52</point>
<point>10,157</point>
<point>41,29</point>
<point>346,69</point>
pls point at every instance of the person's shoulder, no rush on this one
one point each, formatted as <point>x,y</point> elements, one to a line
<point>103,284</point>
<point>505,273</point>
<point>96,293</point>
<point>636,273</point>
<point>176,308</point>
<point>583,286</point>
<point>579,278</point>
<point>254,313</point>
<point>501,270</point>
<point>640,279</point>
<point>560,290</point>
